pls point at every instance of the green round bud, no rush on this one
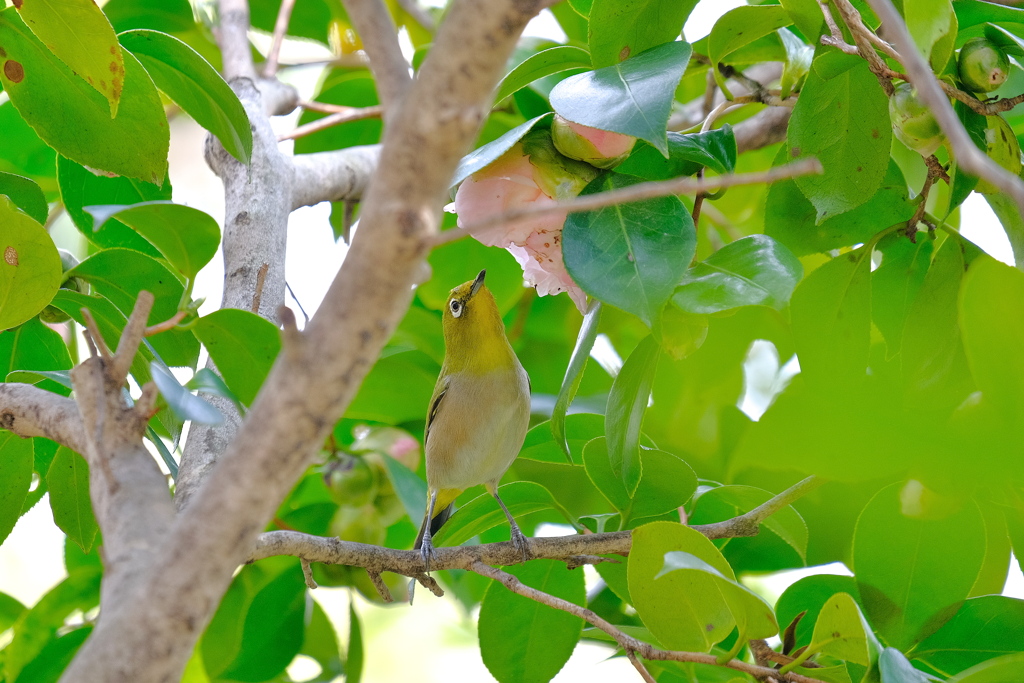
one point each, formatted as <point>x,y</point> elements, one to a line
<point>600,148</point>
<point>1002,147</point>
<point>360,525</point>
<point>983,65</point>
<point>351,481</point>
<point>51,314</point>
<point>913,122</point>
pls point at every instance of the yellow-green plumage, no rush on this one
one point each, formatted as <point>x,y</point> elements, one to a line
<point>480,409</point>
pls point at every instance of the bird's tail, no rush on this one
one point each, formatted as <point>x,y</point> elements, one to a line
<point>435,524</point>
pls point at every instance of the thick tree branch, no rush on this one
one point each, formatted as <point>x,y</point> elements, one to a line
<point>309,387</point>
<point>628,643</point>
<point>373,23</point>
<point>333,176</point>
<point>28,411</point>
<point>968,156</point>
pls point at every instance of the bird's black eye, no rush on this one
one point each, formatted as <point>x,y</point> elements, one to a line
<point>456,307</point>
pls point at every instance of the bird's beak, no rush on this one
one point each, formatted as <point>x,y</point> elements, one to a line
<point>477,283</point>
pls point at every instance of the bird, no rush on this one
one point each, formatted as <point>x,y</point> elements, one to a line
<point>479,412</point>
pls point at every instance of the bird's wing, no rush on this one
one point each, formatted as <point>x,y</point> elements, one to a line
<point>440,389</point>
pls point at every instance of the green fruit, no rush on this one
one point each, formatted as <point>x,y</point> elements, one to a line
<point>1002,147</point>
<point>52,314</point>
<point>983,65</point>
<point>360,525</point>
<point>351,481</point>
<point>913,122</point>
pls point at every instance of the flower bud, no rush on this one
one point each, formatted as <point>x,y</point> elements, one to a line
<point>983,65</point>
<point>601,148</point>
<point>913,122</point>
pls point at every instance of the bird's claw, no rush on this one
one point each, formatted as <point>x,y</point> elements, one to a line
<point>522,544</point>
<point>427,553</point>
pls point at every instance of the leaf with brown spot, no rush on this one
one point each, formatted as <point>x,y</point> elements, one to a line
<point>30,270</point>
<point>78,33</point>
<point>14,71</point>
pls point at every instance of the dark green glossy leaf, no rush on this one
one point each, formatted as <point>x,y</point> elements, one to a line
<point>544,637</point>
<point>983,627</point>
<point>48,666</point>
<point>184,404</point>
<point>15,478</point>
<point>630,255</point>
<point>34,346</point>
<point>684,610</point>
<point>120,275</point>
<point>574,374</point>
<point>187,237</point>
<point>242,345</point>
<point>321,645</point>
<point>580,428</point>
<point>483,513</point>
<point>79,35</point>
<point>997,670</point>
<point>195,86</point>
<point>479,159</point>
<point>790,217</point>
<point>26,195</point>
<point>844,122</point>
<point>633,97</point>
<point>741,26</point>
<point>752,271</point>
<point>911,588</point>
<point>460,261</point>
<point>687,154</point>
<point>79,187</point>
<point>831,312</point>
<point>133,144</point>
<point>666,483</point>
<point>544,63</point>
<point>68,481</point>
<point>30,270</point>
<point>620,29</point>
<point>23,152</point>
<point>162,15</point>
<point>624,415</point>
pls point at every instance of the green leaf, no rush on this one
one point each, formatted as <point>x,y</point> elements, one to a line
<point>411,490</point>
<point>34,346</point>
<point>574,374</point>
<point>186,237</point>
<point>120,275</point>
<point>48,666</point>
<point>483,513</point>
<point>997,670</point>
<point>522,639</point>
<point>844,122</point>
<point>790,218</point>
<point>68,481</point>
<point>742,26</point>
<point>37,627</point>
<point>15,479</point>
<point>904,574</point>
<point>23,152</point>
<point>242,345</point>
<point>163,15</point>
<point>1013,223</point>
<point>983,627</point>
<point>133,144</point>
<point>580,428</point>
<point>347,88</point>
<point>184,404</point>
<point>195,86</point>
<point>354,666</point>
<point>629,255</point>
<point>376,400</point>
<point>725,502</point>
<point>895,285</point>
<point>321,645</point>
<point>624,414</point>
<point>25,194</point>
<point>753,615</point>
<point>79,187</point>
<point>666,483</point>
<point>209,382</point>
<point>894,667</point>
<point>841,632</point>
<point>460,261</point>
<point>10,611</point>
<point>544,63</point>
<point>752,271</point>
<point>684,610</point>
<point>831,311</point>
<point>687,154</point>
<point>620,29</point>
<point>258,628</point>
<point>78,33</point>
<point>808,596</point>
<point>807,16</point>
<point>928,21</point>
<point>633,97</point>
<point>481,158</point>
<point>30,270</point>
<point>799,56</point>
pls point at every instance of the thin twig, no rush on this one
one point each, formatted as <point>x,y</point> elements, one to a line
<point>626,642</point>
<point>165,325</point>
<point>639,666</point>
<point>307,573</point>
<point>639,192</point>
<point>97,345</point>
<point>336,119</point>
<point>969,157</point>
<point>747,524</point>
<point>131,337</point>
<point>284,15</point>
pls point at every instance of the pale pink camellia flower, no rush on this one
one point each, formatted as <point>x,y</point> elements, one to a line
<point>601,148</point>
<point>511,182</point>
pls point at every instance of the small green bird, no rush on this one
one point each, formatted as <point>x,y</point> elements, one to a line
<point>479,412</point>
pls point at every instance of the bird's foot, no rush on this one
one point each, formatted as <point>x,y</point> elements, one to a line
<point>427,552</point>
<point>522,543</point>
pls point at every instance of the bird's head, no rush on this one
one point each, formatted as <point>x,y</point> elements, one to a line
<point>472,324</point>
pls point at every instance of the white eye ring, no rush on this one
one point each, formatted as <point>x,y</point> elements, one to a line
<point>456,307</point>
